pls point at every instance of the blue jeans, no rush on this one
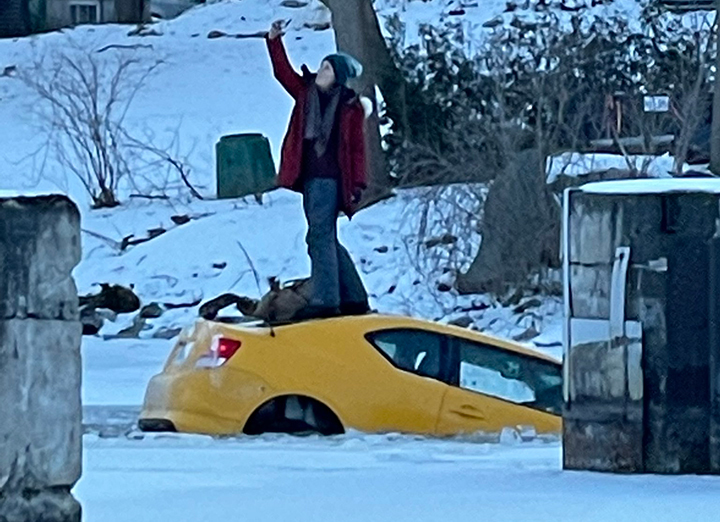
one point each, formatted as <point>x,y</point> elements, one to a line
<point>334,278</point>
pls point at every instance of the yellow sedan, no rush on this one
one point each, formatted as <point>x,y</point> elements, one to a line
<point>372,373</point>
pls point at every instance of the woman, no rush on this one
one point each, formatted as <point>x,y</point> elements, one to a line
<point>323,157</point>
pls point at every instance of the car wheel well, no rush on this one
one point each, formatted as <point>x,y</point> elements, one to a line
<point>293,414</point>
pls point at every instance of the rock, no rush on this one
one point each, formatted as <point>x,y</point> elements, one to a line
<point>495,22</point>
<point>528,335</point>
<point>131,332</point>
<point>382,250</point>
<point>8,71</point>
<point>462,322</point>
<point>293,4</point>
<point>444,287</point>
<point>180,220</point>
<point>117,298</point>
<point>167,333</point>
<point>151,311</point>
<point>91,321</point>
<point>220,266</point>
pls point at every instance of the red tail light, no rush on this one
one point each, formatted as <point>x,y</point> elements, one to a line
<point>226,348</point>
<point>221,350</point>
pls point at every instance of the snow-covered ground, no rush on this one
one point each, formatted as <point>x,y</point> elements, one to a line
<point>368,478</point>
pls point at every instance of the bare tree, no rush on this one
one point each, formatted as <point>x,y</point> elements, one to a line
<point>85,98</point>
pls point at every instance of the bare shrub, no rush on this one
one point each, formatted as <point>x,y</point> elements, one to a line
<point>85,98</point>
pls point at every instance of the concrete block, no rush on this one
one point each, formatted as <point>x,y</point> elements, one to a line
<point>40,377</point>
<point>39,248</point>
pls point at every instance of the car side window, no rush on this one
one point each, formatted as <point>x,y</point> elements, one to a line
<point>510,376</point>
<point>414,351</point>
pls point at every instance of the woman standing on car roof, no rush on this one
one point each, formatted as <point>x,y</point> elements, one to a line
<point>323,157</point>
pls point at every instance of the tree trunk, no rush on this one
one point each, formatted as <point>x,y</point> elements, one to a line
<point>357,32</point>
<point>715,129</point>
<point>520,231</point>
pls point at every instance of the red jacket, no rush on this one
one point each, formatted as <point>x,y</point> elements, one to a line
<point>352,133</point>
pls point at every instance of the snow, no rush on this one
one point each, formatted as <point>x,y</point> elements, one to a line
<point>480,19</point>
<point>203,90</point>
<point>358,477</point>
<point>116,373</point>
<point>654,186</point>
<point>577,164</point>
<point>11,194</point>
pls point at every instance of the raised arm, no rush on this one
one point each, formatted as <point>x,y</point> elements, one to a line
<point>284,72</point>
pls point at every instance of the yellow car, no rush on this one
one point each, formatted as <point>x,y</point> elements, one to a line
<point>372,373</point>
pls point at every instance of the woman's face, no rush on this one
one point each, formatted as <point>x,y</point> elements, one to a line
<point>326,76</point>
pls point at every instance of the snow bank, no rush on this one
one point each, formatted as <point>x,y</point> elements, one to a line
<point>657,186</point>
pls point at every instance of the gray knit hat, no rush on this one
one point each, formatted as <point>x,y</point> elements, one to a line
<point>345,66</point>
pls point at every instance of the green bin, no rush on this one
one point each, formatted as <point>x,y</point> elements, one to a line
<point>244,165</point>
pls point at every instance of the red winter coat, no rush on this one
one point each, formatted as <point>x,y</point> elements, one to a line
<point>352,133</point>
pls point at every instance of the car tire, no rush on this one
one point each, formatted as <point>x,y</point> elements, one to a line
<point>293,414</point>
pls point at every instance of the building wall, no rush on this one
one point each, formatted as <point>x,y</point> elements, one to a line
<point>13,18</point>
<point>58,12</point>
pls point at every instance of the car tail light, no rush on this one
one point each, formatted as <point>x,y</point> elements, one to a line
<point>221,350</point>
<point>226,348</point>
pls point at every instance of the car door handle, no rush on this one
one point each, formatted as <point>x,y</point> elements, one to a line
<point>469,411</point>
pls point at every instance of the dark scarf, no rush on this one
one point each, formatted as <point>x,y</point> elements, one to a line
<point>319,124</point>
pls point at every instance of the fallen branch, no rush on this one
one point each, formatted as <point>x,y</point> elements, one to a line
<point>152,234</point>
<point>149,196</point>
<point>220,34</point>
<point>114,244</point>
<point>121,46</point>
<point>175,306</point>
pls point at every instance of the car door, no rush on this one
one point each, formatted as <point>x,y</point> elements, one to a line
<point>493,388</point>
<point>409,395</point>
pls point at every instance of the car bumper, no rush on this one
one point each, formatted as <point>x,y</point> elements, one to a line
<point>209,401</point>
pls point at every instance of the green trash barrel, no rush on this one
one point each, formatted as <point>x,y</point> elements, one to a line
<point>244,165</point>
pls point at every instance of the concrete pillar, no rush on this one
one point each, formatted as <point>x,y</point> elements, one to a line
<point>642,341</point>
<point>40,368</point>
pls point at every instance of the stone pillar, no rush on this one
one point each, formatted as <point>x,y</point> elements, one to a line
<point>40,368</point>
<point>642,338</point>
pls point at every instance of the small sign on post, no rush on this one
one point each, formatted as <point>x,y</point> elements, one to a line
<point>657,103</point>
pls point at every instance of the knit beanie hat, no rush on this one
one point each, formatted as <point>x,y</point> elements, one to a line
<point>345,66</point>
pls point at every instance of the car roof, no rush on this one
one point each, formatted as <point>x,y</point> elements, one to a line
<point>371,322</point>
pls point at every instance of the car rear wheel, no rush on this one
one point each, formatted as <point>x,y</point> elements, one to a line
<point>293,414</point>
